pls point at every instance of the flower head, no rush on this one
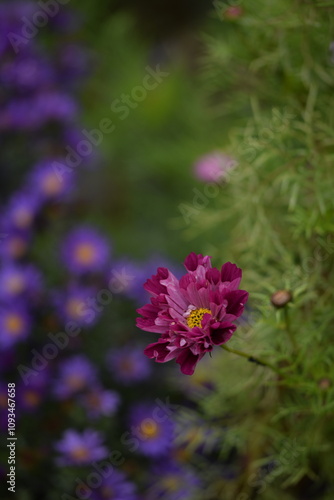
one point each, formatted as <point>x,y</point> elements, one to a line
<point>128,365</point>
<point>75,374</point>
<point>192,314</point>
<point>72,304</point>
<point>99,402</point>
<point>172,481</point>
<point>17,280</point>
<point>48,183</point>
<point>155,436</point>
<point>214,167</point>
<point>80,448</point>
<point>15,324</point>
<point>85,250</point>
<point>22,210</point>
<point>115,487</point>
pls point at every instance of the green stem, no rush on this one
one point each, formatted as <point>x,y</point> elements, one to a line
<point>288,329</point>
<point>253,359</point>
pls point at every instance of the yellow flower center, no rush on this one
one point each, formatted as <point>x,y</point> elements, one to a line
<point>171,483</point>
<point>107,492</point>
<point>80,453</point>
<point>23,218</point>
<point>52,185</point>
<point>73,308</point>
<point>196,316</point>
<point>3,401</point>
<point>15,284</point>
<point>75,382</point>
<point>149,428</point>
<point>32,398</point>
<point>14,324</point>
<point>17,247</point>
<point>85,253</point>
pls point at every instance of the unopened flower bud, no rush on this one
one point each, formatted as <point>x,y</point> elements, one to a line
<point>281,298</point>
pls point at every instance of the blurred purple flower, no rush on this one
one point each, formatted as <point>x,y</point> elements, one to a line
<point>172,481</point>
<point>15,324</point>
<point>214,167</point>
<point>137,273</point>
<point>26,73</point>
<point>115,487</point>
<point>128,365</point>
<point>13,243</point>
<point>49,183</point>
<point>73,304</point>
<point>155,437</point>
<point>29,397</point>
<point>99,402</point>
<point>21,210</point>
<point>16,280</point>
<point>85,250</point>
<point>80,448</point>
<point>75,374</point>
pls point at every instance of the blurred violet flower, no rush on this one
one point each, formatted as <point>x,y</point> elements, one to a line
<point>74,304</point>
<point>214,167</point>
<point>15,324</point>
<point>137,273</point>
<point>75,374</point>
<point>49,183</point>
<point>14,243</point>
<point>115,487</point>
<point>30,396</point>
<point>80,448</point>
<point>172,481</point>
<point>26,73</point>
<point>128,365</point>
<point>155,437</point>
<point>16,280</point>
<point>99,402</point>
<point>85,250</point>
<point>21,210</point>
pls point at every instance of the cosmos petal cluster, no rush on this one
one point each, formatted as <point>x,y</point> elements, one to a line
<point>193,314</point>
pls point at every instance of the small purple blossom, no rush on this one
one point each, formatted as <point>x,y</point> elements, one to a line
<point>154,434</point>
<point>99,402</point>
<point>31,395</point>
<point>21,210</point>
<point>74,304</point>
<point>17,280</point>
<point>172,481</point>
<point>48,183</point>
<point>75,374</point>
<point>15,324</point>
<point>85,250</point>
<point>128,365</point>
<point>14,243</point>
<point>214,167</point>
<point>115,487</point>
<point>80,448</point>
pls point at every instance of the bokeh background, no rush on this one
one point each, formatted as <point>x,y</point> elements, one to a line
<point>134,133</point>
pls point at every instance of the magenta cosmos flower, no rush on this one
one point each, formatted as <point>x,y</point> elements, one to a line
<point>192,314</point>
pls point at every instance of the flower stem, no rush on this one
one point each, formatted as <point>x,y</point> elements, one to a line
<point>252,359</point>
<point>288,329</point>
